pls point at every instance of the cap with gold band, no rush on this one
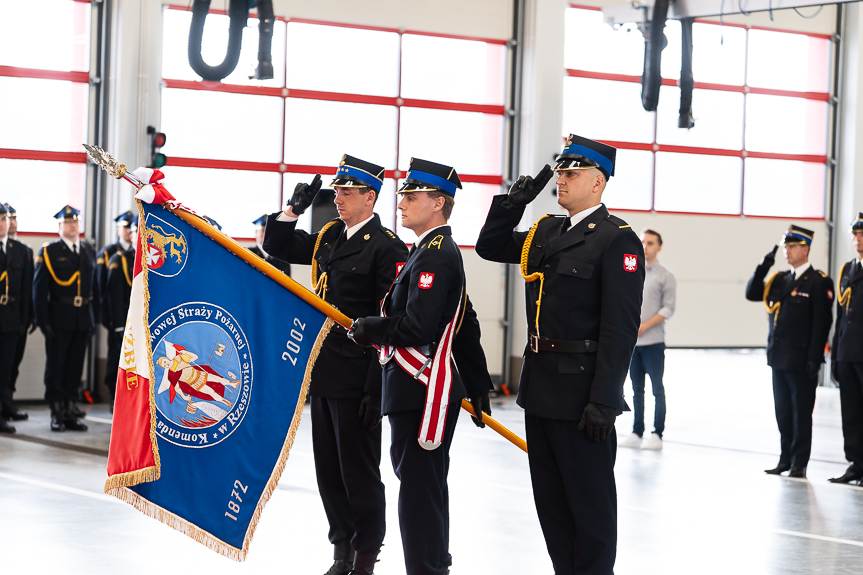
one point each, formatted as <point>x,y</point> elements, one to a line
<point>582,154</point>
<point>125,219</point>
<point>425,176</point>
<point>68,213</point>
<point>857,225</point>
<point>797,236</point>
<point>10,211</point>
<point>3,209</point>
<point>356,173</point>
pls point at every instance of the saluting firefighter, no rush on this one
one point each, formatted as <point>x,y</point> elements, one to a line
<point>585,277</point>
<point>799,317</point>
<point>115,336</point>
<point>64,295</point>
<point>16,283</point>
<point>847,355</point>
<point>258,250</point>
<point>426,320</point>
<point>8,409</point>
<point>118,292</point>
<point>354,260</point>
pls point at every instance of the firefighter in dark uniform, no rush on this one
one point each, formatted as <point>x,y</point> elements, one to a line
<point>8,409</point>
<point>847,355</point>
<point>427,315</point>
<point>118,292</point>
<point>354,261</point>
<point>799,317</point>
<point>258,250</point>
<point>585,275</point>
<point>16,284</point>
<point>65,296</point>
<point>115,336</point>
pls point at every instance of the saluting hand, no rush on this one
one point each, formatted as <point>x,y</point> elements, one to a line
<point>304,195</point>
<point>770,257</point>
<point>599,421</point>
<point>525,189</point>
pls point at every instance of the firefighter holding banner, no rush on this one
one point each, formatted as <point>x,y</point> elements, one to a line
<point>425,319</point>
<point>355,260</point>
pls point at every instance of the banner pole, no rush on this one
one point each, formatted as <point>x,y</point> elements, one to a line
<point>291,285</point>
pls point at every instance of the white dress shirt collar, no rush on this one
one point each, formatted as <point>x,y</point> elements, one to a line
<point>124,244</point>
<point>798,271</point>
<point>425,233</point>
<point>356,227</point>
<point>70,244</point>
<point>576,218</point>
<point>5,241</point>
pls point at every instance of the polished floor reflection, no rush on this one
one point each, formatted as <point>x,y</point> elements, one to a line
<point>701,505</point>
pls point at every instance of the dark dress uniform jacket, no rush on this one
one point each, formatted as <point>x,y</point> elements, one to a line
<point>417,316</point>
<point>848,336</point>
<point>118,287</point>
<point>18,266</point>
<point>359,273</point>
<point>588,295</point>
<point>283,267</point>
<point>103,259</point>
<point>53,302</point>
<point>799,329</point>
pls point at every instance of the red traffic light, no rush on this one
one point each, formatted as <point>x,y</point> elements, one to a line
<point>159,139</point>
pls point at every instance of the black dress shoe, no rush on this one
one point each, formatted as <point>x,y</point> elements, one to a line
<point>76,411</point>
<point>72,423</point>
<point>799,472</point>
<point>5,427</point>
<point>57,417</point>
<point>11,412</point>
<point>853,473</point>
<point>778,470</point>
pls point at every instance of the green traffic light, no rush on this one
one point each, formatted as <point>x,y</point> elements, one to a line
<point>159,160</point>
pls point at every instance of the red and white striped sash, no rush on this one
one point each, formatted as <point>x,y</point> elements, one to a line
<point>433,372</point>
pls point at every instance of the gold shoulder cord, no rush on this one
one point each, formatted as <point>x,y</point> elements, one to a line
<point>844,297</point>
<point>775,307</point>
<point>75,276</point>
<point>125,270</point>
<point>525,251</point>
<point>4,277</point>
<point>320,284</point>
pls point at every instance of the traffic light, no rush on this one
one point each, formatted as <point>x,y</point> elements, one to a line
<point>157,140</point>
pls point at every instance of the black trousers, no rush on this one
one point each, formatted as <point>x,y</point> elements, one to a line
<point>423,494</point>
<point>794,400</point>
<point>20,346</point>
<point>575,495</point>
<point>850,376</point>
<point>112,361</point>
<point>348,467</point>
<point>8,343</point>
<point>64,364</point>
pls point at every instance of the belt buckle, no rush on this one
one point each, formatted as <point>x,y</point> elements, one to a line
<point>534,343</point>
<point>4,299</point>
<point>78,301</point>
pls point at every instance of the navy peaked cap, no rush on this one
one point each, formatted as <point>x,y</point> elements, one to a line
<point>425,176</point>
<point>581,154</point>
<point>356,173</point>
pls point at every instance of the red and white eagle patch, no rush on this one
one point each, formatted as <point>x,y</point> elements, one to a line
<point>399,266</point>
<point>630,262</point>
<point>426,280</point>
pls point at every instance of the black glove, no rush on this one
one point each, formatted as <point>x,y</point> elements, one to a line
<point>304,194</point>
<point>599,421</point>
<point>370,411</point>
<point>357,333</point>
<point>770,257</point>
<point>525,189</point>
<point>480,405</point>
<point>48,332</point>
<point>812,369</point>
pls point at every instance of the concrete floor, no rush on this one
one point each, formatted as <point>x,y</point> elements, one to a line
<point>702,505</point>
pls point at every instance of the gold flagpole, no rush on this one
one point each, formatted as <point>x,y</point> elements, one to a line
<point>117,170</point>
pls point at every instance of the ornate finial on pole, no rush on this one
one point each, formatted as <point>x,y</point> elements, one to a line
<point>111,165</point>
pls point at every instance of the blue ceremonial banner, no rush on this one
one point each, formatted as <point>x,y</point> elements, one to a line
<point>229,353</point>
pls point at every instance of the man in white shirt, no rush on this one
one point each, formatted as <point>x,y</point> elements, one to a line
<point>660,293</point>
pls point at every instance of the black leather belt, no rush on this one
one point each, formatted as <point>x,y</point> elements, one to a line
<point>76,301</point>
<point>538,344</point>
<point>5,299</point>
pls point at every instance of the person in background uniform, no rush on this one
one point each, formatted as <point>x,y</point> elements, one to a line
<point>799,318</point>
<point>64,295</point>
<point>418,331</point>
<point>118,292</point>
<point>258,250</point>
<point>847,355</point>
<point>8,409</point>
<point>115,338</point>
<point>212,222</point>
<point>660,293</point>
<point>16,277</point>
<point>585,279</point>
<point>355,260</point>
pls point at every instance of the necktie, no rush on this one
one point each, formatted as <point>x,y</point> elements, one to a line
<point>412,250</point>
<point>343,237</point>
<point>2,252</point>
<point>75,249</point>
<point>567,223</point>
